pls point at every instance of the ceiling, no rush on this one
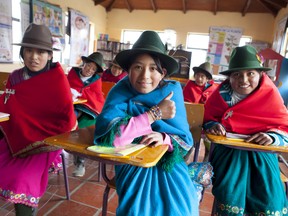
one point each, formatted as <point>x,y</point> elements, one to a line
<point>214,6</point>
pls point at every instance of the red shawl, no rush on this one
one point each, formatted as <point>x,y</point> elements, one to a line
<point>107,76</point>
<point>261,111</point>
<point>41,107</point>
<point>196,94</point>
<point>92,92</point>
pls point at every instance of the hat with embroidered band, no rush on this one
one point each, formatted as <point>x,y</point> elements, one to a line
<point>204,68</point>
<point>244,58</point>
<point>148,42</point>
<point>95,57</point>
<point>37,36</point>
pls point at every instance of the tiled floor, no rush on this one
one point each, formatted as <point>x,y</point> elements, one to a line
<point>86,195</point>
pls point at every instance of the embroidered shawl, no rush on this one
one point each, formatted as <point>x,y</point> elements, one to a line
<point>124,101</point>
<point>197,94</point>
<point>40,107</point>
<point>91,91</point>
<point>263,110</point>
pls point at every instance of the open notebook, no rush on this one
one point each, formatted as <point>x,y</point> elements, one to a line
<point>119,151</point>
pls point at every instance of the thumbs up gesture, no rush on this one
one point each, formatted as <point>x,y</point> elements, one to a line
<point>167,107</point>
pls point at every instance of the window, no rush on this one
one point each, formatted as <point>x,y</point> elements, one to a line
<point>198,44</point>
<point>168,36</point>
<point>16,28</point>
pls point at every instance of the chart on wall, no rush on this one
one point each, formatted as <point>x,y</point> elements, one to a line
<point>6,54</point>
<point>222,40</point>
<point>50,15</point>
<point>79,27</point>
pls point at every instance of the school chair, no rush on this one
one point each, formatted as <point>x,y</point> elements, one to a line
<point>65,175</point>
<point>106,86</point>
<point>195,115</point>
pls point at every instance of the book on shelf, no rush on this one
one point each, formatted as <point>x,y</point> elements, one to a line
<point>235,136</point>
<point>116,151</point>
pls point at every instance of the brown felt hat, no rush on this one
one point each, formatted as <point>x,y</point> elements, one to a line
<point>37,36</point>
<point>204,68</point>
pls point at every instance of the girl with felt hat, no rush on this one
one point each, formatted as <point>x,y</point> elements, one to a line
<point>247,102</point>
<point>38,99</point>
<point>198,90</point>
<point>145,108</point>
<point>86,83</point>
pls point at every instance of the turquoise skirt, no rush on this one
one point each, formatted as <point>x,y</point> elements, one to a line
<point>247,183</point>
<point>155,192</point>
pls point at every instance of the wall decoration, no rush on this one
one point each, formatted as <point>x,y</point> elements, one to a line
<point>222,40</point>
<point>79,37</point>
<point>279,36</point>
<point>6,54</point>
<point>49,15</point>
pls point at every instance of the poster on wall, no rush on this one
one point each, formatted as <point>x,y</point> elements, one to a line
<point>6,54</point>
<point>222,40</point>
<point>79,34</point>
<point>279,36</point>
<point>49,15</point>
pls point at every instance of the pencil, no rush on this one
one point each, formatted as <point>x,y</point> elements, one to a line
<point>113,156</point>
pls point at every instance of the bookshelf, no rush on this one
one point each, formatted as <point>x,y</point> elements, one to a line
<point>110,49</point>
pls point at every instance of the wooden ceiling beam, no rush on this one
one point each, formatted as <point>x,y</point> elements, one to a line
<point>246,7</point>
<point>110,6</point>
<point>277,3</point>
<point>215,6</point>
<point>184,6</point>
<point>97,2</point>
<point>128,6</point>
<point>153,6</point>
<point>268,7</point>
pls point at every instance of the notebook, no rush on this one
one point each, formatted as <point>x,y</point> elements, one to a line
<point>237,137</point>
<point>118,151</point>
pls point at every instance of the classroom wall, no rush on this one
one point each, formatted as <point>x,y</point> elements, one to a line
<point>192,21</point>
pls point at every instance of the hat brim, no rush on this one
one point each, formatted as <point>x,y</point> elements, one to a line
<point>99,67</point>
<point>33,46</point>
<point>169,63</point>
<point>228,72</point>
<point>198,69</point>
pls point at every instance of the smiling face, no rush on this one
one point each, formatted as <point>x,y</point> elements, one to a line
<point>116,70</point>
<point>89,69</point>
<point>143,74</point>
<point>245,81</point>
<point>35,59</point>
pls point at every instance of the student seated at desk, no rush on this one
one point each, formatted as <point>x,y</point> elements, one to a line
<point>86,82</point>
<point>114,73</point>
<point>145,108</point>
<point>199,90</point>
<point>39,102</point>
<point>247,102</point>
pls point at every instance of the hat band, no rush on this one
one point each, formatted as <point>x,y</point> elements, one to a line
<point>37,42</point>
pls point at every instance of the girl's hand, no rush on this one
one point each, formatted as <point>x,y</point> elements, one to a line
<point>261,139</point>
<point>167,107</point>
<point>154,139</point>
<point>217,129</point>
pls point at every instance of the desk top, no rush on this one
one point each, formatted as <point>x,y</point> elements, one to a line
<point>245,145</point>
<point>76,142</point>
<point>80,101</point>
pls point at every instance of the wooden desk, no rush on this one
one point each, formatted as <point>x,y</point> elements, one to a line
<point>76,142</point>
<point>80,101</point>
<point>245,145</point>
<point>4,117</point>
